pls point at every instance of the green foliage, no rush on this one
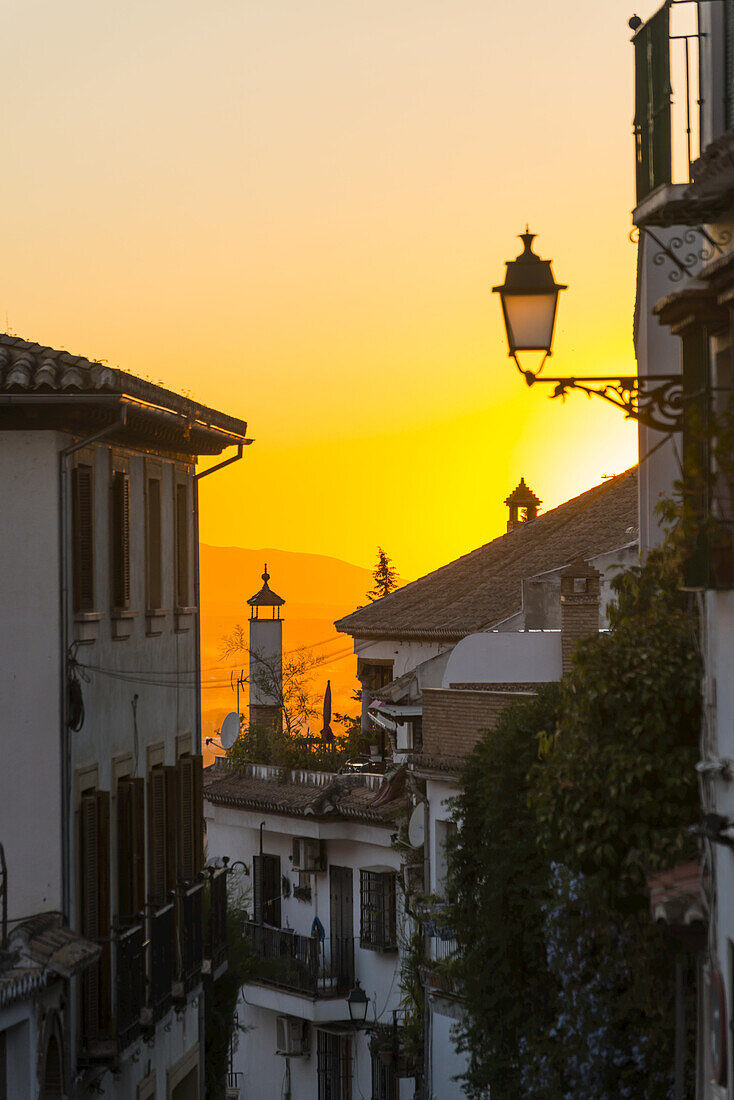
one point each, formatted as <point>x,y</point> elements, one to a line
<point>260,744</point>
<point>574,796</point>
<point>384,575</point>
<point>221,998</point>
<point>615,792</point>
<point>498,881</point>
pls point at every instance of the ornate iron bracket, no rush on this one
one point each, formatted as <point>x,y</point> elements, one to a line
<point>655,401</point>
<point>686,250</point>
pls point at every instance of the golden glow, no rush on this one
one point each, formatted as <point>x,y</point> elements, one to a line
<point>295,211</point>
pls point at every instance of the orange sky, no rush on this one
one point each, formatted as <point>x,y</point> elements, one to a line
<point>295,209</point>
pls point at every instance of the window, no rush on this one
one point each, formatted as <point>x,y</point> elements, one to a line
<point>384,1081</point>
<point>334,1068</point>
<point>130,821</point>
<point>378,910</point>
<point>190,816</point>
<point>266,889</point>
<point>94,908</point>
<point>182,546</point>
<point>120,539</point>
<point>161,833</point>
<point>82,533</point>
<point>652,103</point>
<point>153,544</point>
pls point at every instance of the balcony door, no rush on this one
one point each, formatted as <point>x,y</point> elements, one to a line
<point>341,893</point>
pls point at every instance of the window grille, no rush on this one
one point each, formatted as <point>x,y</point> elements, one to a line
<point>377,910</point>
<point>334,1066</point>
<point>384,1081</point>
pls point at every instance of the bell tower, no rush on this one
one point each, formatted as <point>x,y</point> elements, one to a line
<point>266,656</point>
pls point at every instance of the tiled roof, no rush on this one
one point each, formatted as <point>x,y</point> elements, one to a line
<point>479,590</point>
<point>27,369</point>
<point>344,797</point>
<point>42,949</point>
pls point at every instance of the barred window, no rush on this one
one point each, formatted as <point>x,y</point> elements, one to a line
<point>377,910</point>
<point>334,1068</point>
<point>384,1081</point>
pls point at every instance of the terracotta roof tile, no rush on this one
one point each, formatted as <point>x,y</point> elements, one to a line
<point>482,588</point>
<point>28,368</point>
<point>345,796</point>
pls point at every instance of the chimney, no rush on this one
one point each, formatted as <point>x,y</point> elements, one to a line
<point>579,607</point>
<point>523,505</point>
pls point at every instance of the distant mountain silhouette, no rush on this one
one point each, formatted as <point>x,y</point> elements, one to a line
<point>317,590</point>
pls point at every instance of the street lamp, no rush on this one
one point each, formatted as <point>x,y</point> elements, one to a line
<point>529,297</point>
<point>358,1002</point>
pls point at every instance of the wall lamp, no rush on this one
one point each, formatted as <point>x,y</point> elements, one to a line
<point>529,297</point>
<point>357,1003</point>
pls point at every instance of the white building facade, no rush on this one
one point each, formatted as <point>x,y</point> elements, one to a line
<point>100,793</point>
<point>321,877</point>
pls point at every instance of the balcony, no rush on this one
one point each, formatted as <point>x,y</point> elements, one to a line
<point>129,983</point>
<point>302,964</point>
<point>111,1012</point>
<point>161,960</point>
<point>216,946</point>
<point>189,910</point>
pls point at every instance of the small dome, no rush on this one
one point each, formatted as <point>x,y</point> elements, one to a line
<point>266,597</point>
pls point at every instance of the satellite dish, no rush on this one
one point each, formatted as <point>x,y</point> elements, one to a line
<point>417,826</point>
<point>230,730</point>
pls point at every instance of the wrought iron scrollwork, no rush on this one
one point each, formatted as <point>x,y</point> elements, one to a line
<point>655,401</point>
<point>686,251</point>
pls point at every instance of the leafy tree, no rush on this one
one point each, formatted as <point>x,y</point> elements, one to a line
<point>576,795</point>
<point>287,681</point>
<point>498,881</point>
<point>384,575</point>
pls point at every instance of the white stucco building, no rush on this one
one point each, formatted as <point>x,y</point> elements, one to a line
<point>324,890</point>
<point>453,649</point>
<point>684,213</point>
<point>100,790</point>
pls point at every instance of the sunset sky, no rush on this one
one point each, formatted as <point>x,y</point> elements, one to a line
<point>294,211</point>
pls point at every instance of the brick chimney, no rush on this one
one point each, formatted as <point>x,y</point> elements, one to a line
<point>523,505</point>
<point>579,607</point>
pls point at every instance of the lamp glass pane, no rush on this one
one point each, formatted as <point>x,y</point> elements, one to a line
<point>530,319</point>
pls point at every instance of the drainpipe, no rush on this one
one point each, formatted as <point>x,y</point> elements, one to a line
<point>197,587</point>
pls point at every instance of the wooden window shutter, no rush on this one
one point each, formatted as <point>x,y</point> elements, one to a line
<point>120,535</point>
<point>124,839</point>
<point>266,889</point>
<point>157,885</point>
<point>182,546</point>
<point>153,539</point>
<point>171,779</point>
<point>191,812</point>
<point>257,888</point>
<point>130,847</point>
<point>82,505</point>
<point>95,905</point>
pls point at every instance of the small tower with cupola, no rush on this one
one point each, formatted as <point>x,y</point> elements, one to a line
<point>266,656</point>
<point>523,505</point>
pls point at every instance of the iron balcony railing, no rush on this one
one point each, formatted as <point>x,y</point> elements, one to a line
<point>303,964</point>
<point>189,935</point>
<point>161,958</point>
<point>217,926</point>
<point>129,983</point>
